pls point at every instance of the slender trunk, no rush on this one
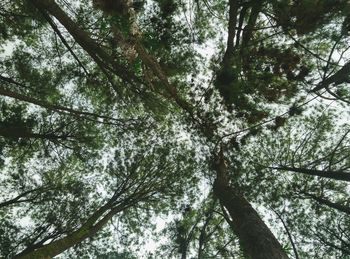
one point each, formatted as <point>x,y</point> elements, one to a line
<point>65,43</point>
<point>247,36</point>
<point>336,175</point>
<point>88,229</point>
<point>202,237</point>
<point>233,9</point>
<point>248,30</point>
<point>241,19</point>
<point>289,234</point>
<point>97,53</point>
<point>203,232</point>
<point>104,60</point>
<point>256,239</point>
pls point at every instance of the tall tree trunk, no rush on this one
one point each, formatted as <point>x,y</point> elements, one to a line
<point>233,9</point>
<point>88,229</point>
<point>256,239</point>
<point>104,60</point>
<point>96,52</point>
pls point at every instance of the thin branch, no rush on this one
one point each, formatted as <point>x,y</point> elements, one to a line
<point>288,233</point>
<point>336,175</point>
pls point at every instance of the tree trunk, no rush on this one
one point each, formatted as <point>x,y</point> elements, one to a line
<point>91,226</point>
<point>256,240</point>
<point>96,52</point>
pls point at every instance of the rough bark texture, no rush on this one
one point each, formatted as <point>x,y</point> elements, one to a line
<point>256,240</point>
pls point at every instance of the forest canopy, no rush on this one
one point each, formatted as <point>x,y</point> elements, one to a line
<point>176,129</point>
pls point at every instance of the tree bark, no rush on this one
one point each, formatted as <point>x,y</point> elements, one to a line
<point>256,239</point>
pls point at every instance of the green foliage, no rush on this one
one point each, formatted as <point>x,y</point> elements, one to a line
<point>116,108</point>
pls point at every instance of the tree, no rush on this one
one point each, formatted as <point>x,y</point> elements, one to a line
<point>110,112</point>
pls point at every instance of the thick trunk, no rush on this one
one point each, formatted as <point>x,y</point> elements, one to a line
<point>248,32</point>
<point>256,239</point>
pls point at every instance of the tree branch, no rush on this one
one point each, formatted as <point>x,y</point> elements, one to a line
<point>336,175</point>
